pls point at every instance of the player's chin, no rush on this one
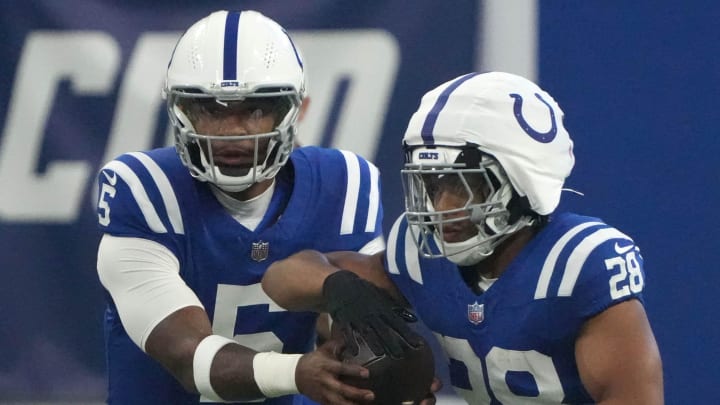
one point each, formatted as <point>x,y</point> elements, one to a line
<point>235,170</point>
<point>457,236</point>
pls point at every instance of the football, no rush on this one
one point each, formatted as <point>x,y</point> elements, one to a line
<point>394,381</point>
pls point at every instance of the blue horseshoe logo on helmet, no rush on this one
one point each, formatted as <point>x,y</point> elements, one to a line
<point>544,137</point>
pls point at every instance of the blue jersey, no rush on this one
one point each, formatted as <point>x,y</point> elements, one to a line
<point>324,199</point>
<point>515,343</point>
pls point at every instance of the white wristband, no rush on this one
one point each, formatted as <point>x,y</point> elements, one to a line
<point>275,373</point>
<point>202,362</point>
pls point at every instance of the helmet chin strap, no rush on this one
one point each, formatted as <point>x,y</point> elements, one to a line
<point>225,182</point>
<point>476,248</point>
<point>492,231</point>
<point>467,252</point>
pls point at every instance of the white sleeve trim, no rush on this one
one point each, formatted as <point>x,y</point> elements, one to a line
<point>577,258</point>
<point>143,278</point>
<point>412,257</point>
<point>392,246</point>
<point>352,193</point>
<point>541,290</point>
<point>374,204</point>
<point>138,191</point>
<point>166,191</point>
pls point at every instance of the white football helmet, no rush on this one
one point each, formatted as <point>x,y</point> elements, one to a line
<point>224,59</point>
<point>497,142</point>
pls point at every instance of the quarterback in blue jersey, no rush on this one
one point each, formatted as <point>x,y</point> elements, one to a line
<point>529,305</point>
<point>189,231</point>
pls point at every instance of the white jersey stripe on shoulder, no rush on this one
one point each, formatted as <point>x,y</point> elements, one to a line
<point>412,257</point>
<point>374,246</point>
<point>547,270</point>
<point>351,193</point>
<point>392,246</point>
<point>166,191</point>
<point>580,254</point>
<point>374,198</point>
<point>139,193</point>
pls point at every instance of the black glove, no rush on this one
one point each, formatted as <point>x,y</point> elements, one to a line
<point>359,305</point>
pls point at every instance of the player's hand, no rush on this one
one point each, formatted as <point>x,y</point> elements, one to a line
<point>430,399</point>
<point>317,376</point>
<point>359,305</point>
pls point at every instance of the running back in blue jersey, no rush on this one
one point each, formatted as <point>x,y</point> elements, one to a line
<point>324,200</point>
<point>514,343</point>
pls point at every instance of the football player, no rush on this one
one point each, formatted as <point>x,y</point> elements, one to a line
<point>189,231</point>
<point>530,306</point>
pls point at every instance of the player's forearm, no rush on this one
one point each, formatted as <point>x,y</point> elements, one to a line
<point>296,282</point>
<point>227,370</point>
<point>218,367</point>
<point>224,370</point>
<point>369,267</point>
<point>232,374</point>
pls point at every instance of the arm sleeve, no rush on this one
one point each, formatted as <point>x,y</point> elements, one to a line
<point>144,281</point>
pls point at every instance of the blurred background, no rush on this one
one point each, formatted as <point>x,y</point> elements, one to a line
<point>639,82</point>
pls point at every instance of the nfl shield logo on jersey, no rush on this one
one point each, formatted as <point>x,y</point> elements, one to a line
<point>476,314</point>
<point>260,251</point>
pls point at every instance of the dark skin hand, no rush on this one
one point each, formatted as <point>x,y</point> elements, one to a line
<point>173,341</point>
<point>323,385</point>
<point>435,387</point>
